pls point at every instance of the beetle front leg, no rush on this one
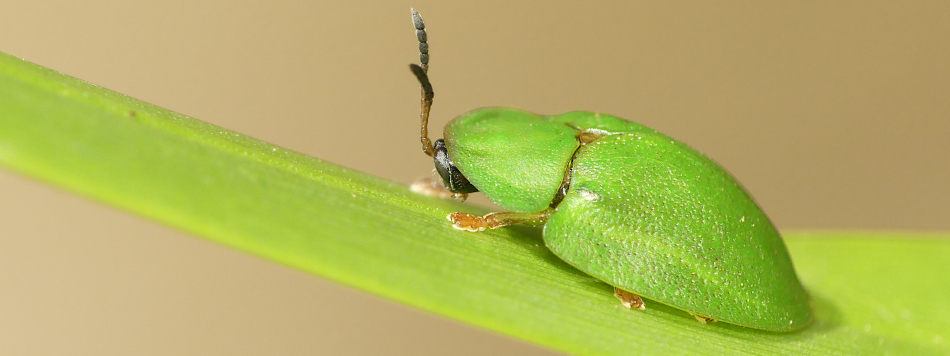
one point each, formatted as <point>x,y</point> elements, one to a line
<point>629,300</point>
<point>434,188</point>
<point>469,222</point>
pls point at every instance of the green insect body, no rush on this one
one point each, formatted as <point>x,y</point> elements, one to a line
<point>643,212</point>
<point>627,205</point>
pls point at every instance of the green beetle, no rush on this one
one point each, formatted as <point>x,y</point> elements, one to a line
<point>625,204</point>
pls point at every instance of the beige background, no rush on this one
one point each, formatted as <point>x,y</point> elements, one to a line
<point>833,114</point>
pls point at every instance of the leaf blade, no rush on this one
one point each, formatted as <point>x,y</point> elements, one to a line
<point>375,235</point>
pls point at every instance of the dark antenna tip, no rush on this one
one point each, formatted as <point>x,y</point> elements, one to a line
<point>423,38</point>
<point>417,19</point>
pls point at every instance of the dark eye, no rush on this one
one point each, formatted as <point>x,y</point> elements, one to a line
<point>453,179</point>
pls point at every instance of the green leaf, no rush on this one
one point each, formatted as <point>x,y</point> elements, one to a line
<point>872,292</point>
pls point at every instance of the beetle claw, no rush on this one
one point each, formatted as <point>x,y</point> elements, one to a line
<point>629,300</point>
<point>431,187</point>
<point>434,188</point>
<point>467,222</point>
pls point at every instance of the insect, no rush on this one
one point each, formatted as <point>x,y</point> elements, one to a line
<point>623,203</point>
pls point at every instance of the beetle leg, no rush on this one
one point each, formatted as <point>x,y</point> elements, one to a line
<point>469,222</point>
<point>628,299</point>
<point>434,188</point>
<point>703,319</point>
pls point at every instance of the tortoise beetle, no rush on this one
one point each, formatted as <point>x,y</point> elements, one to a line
<point>623,203</point>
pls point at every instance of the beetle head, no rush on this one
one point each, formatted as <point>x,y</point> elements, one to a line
<point>451,176</point>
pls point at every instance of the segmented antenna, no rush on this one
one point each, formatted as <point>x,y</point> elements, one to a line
<point>420,72</point>
<point>421,35</point>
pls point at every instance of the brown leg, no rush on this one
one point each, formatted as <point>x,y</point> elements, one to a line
<point>469,222</point>
<point>703,319</point>
<point>628,299</point>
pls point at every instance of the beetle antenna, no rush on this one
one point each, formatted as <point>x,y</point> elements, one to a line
<point>420,72</point>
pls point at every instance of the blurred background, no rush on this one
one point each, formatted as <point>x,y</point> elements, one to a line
<point>834,115</point>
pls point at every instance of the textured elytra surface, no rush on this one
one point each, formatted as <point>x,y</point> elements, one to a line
<point>644,212</point>
<point>653,217</point>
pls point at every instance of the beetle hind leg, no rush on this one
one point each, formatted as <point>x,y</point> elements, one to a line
<point>703,319</point>
<point>629,300</point>
<point>469,222</point>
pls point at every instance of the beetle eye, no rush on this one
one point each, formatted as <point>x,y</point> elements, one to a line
<point>451,176</point>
